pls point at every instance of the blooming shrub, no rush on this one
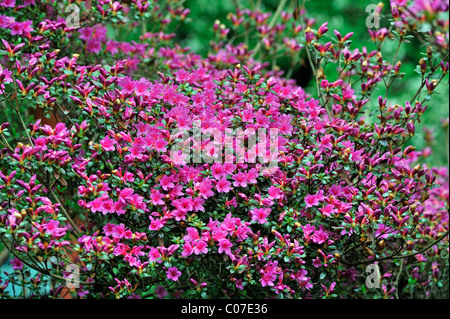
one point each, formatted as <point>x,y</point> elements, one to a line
<point>122,190</point>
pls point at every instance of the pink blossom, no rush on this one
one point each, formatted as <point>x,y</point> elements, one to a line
<point>267,278</point>
<point>200,246</point>
<point>173,273</point>
<point>156,197</point>
<point>260,215</point>
<point>223,186</point>
<point>218,171</point>
<point>311,200</point>
<point>225,247</point>
<point>240,180</point>
<point>108,144</point>
<point>166,182</point>
<point>8,3</point>
<point>155,224</point>
<point>154,254</point>
<point>16,264</point>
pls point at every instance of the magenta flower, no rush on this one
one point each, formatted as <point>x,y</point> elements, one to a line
<point>108,144</point>
<point>225,247</point>
<point>252,175</point>
<point>311,200</point>
<point>16,264</point>
<point>156,197</point>
<point>223,186</point>
<point>173,273</point>
<point>154,254</point>
<point>205,188</point>
<point>260,215</point>
<point>166,182</point>
<point>218,171</point>
<point>328,210</point>
<point>319,236</point>
<point>160,292</point>
<point>127,85</point>
<point>267,278</point>
<point>200,246</point>
<point>8,3</point>
<point>240,180</point>
<point>141,88</point>
<point>52,228</point>
<point>6,21</point>
<point>155,224</point>
<point>93,46</point>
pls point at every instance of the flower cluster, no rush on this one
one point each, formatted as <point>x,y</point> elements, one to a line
<point>123,187</point>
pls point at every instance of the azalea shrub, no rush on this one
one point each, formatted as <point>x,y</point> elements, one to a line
<point>153,172</point>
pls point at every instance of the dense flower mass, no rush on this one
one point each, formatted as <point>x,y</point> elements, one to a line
<point>157,172</point>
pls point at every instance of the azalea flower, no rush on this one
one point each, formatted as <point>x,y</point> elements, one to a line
<point>16,264</point>
<point>223,186</point>
<point>240,180</point>
<point>173,273</point>
<point>260,215</point>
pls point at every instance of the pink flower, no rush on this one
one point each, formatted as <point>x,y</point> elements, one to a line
<point>223,186</point>
<point>260,214</point>
<point>141,88</point>
<point>319,236</point>
<point>86,33</point>
<point>229,167</point>
<point>275,192</point>
<point>328,210</point>
<point>161,144</point>
<point>200,246</point>
<point>326,142</point>
<point>205,188</point>
<point>6,21</point>
<point>8,3</point>
<point>240,179</point>
<point>118,231</point>
<point>154,254</point>
<point>317,263</point>
<point>127,85</point>
<point>178,158</point>
<point>267,278</point>
<point>225,246</point>
<point>307,231</point>
<point>52,228</point>
<point>218,171</point>
<point>183,204</point>
<point>166,182</point>
<point>16,264</point>
<point>311,200</point>
<point>247,116</point>
<point>155,224</point>
<point>252,175</point>
<point>108,144</point>
<point>173,273</point>
<point>197,204</point>
<point>160,292</point>
<point>94,46</point>
<point>156,197</point>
